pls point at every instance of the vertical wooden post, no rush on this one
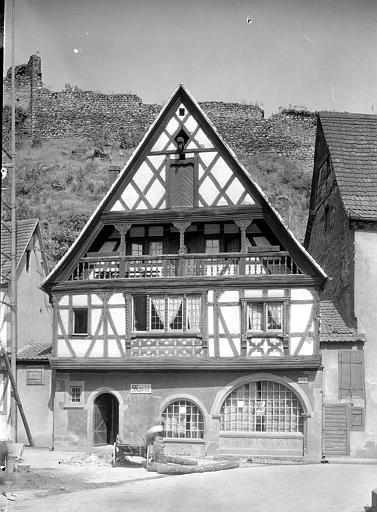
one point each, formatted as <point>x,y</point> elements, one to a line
<point>123,229</point>
<point>181,226</point>
<point>243,224</point>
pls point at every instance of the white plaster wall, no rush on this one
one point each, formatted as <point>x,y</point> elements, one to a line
<point>365,296</point>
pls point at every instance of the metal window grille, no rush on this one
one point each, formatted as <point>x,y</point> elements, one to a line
<point>263,406</point>
<point>75,394</point>
<point>183,420</point>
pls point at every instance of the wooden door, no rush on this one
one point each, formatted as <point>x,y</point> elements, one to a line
<point>336,429</point>
<point>105,419</point>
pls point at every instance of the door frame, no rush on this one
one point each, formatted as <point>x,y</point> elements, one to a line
<point>90,408</point>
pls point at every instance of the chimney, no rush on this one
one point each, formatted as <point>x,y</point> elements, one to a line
<point>113,173</point>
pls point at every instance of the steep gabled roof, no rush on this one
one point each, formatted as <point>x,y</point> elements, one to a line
<point>25,230</point>
<point>179,96</point>
<point>333,327</point>
<point>352,142</point>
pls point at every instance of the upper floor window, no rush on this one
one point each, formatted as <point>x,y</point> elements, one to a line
<point>212,246</point>
<point>167,313</point>
<point>265,316</point>
<point>136,249</point>
<point>156,248</point>
<point>80,321</point>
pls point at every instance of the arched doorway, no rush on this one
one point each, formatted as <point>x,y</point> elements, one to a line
<point>106,419</point>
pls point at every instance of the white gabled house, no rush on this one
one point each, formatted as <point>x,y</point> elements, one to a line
<point>185,296</point>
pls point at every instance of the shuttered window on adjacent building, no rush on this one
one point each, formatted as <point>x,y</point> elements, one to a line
<point>35,375</point>
<point>351,373</point>
<point>357,418</point>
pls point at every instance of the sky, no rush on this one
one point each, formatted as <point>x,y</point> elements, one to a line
<point>319,54</point>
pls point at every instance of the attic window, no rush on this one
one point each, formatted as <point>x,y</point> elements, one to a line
<point>28,261</point>
<point>181,111</point>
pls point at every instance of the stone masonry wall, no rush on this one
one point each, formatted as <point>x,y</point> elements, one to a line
<point>124,118</point>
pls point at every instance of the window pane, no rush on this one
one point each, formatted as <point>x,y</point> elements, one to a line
<point>183,420</point>
<point>80,321</point>
<point>255,316</point>
<point>136,249</point>
<point>175,313</point>
<point>75,393</point>
<point>193,310</point>
<point>274,316</point>
<point>155,248</point>
<point>212,246</point>
<point>140,313</point>
<point>263,406</point>
<point>157,313</point>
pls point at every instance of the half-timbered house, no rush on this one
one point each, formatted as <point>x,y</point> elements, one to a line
<point>186,297</point>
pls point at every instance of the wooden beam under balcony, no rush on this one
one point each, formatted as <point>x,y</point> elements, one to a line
<point>197,364</point>
<point>186,214</point>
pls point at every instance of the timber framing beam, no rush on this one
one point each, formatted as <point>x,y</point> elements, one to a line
<point>220,364</point>
<point>194,283</point>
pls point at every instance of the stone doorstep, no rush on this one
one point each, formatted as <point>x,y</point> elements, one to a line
<point>350,460</point>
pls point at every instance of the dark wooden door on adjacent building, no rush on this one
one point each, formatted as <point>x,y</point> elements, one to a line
<point>106,419</point>
<point>336,429</point>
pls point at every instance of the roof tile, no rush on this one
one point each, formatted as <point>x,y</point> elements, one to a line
<point>352,141</point>
<point>333,327</point>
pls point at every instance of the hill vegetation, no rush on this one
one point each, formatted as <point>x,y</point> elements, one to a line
<point>60,185</point>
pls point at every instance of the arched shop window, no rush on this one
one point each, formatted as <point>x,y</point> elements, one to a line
<point>183,420</point>
<point>262,406</point>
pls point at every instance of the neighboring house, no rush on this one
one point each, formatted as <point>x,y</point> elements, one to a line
<point>34,316</point>
<point>186,297</point>
<point>35,387</point>
<point>342,236</point>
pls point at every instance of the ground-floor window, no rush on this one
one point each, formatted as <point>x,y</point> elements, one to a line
<point>261,406</point>
<point>183,420</point>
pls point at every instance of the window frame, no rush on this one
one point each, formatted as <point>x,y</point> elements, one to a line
<point>68,404</point>
<point>256,407</point>
<point>194,410</point>
<point>73,322</point>
<point>166,326</point>
<point>265,302</point>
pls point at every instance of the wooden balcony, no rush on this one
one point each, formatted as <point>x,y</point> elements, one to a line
<point>109,266</point>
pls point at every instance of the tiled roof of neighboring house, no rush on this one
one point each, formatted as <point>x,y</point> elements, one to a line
<point>25,230</point>
<point>352,141</point>
<point>333,327</point>
<point>35,352</point>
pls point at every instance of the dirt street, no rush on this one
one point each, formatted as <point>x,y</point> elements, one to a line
<point>298,488</point>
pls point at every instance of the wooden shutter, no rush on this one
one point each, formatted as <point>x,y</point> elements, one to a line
<point>181,185</point>
<point>357,418</point>
<point>34,375</point>
<point>351,373</point>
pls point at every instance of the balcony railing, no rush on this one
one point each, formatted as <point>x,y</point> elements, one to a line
<point>185,265</point>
